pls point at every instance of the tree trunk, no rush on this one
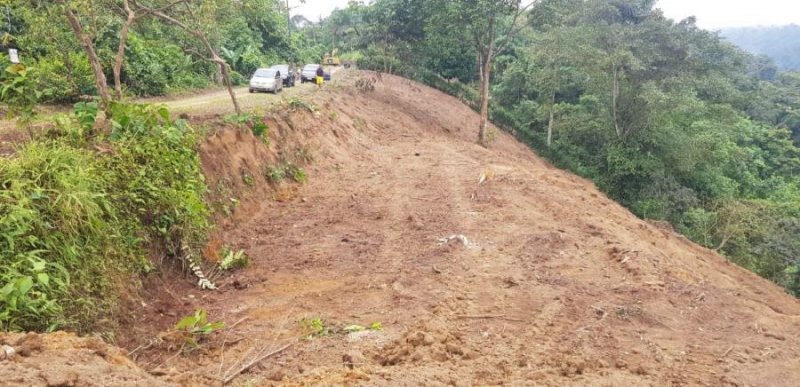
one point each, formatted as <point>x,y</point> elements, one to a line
<point>614,101</point>
<point>197,33</point>
<point>99,77</point>
<point>550,121</point>
<point>483,137</point>
<point>227,78</point>
<point>123,39</point>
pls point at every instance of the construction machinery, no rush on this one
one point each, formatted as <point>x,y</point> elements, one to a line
<point>331,59</point>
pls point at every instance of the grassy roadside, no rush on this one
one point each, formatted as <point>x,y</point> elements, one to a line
<point>81,209</point>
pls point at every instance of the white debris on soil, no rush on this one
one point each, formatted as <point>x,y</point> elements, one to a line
<point>358,336</point>
<point>459,237</point>
<point>7,352</point>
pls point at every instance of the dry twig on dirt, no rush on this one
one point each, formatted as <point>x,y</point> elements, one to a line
<point>726,353</point>
<point>484,316</point>
<point>423,199</point>
<point>255,361</point>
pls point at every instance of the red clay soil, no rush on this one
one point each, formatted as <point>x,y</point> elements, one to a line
<point>556,285</point>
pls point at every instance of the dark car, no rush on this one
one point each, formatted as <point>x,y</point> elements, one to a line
<point>288,75</point>
<point>309,73</point>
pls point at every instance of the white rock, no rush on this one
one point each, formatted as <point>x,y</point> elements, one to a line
<point>7,352</point>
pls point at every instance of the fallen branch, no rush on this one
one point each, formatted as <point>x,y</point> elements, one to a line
<point>243,319</point>
<point>483,316</point>
<point>726,352</point>
<point>424,199</point>
<point>254,362</point>
<point>150,343</point>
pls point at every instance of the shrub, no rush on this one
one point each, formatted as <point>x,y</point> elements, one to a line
<point>156,176</point>
<point>144,68</point>
<point>65,79</point>
<point>75,222</point>
<point>62,238</point>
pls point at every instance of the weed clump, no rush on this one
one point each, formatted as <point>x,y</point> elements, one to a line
<point>278,173</point>
<point>249,120</point>
<point>297,103</point>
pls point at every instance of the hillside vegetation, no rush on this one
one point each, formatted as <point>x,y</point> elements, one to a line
<point>80,217</point>
<point>159,57</point>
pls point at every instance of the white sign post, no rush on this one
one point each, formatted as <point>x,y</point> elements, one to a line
<point>13,55</point>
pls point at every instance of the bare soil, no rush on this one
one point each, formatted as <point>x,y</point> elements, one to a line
<point>62,359</point>
<point>555,285</point>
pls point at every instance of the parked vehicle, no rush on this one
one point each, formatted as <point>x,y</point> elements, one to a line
<point>309,73</point>
<point>266,80</point>
<point>288,74</point>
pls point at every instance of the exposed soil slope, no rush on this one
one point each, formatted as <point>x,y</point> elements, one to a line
<point>558,285</point>
<point>578,290</point>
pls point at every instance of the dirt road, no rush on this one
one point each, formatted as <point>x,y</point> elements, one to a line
<point>219,101</point>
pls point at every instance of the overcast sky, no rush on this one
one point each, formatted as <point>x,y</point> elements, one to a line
<point>711,14</point>
<point>715,14</point>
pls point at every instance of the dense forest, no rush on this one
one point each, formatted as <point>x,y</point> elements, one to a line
<point>781,44</point>
<point>670,120</point>
<point>161,49</point>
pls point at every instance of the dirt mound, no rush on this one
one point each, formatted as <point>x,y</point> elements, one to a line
<point>62,359</point>
<point>469,266</point>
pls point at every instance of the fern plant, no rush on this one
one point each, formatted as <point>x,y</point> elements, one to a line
<point>234,260</point>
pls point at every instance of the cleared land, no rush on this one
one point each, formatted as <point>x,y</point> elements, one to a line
<point>553,284</point>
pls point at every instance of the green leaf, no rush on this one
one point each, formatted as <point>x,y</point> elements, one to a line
<point>38,265</point>
<point>43,278</point>
<point>186,323</point>
<point>8,289</point>
<point>24,284</point>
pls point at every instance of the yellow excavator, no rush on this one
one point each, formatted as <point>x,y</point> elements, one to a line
<point>331,59</point>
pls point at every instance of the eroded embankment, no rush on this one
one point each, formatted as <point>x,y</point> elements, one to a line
<point>556,285</point>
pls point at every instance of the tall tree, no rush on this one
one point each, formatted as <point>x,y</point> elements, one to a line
<point>491,26</point>
<point>86,40</point>
<point>192,22</point>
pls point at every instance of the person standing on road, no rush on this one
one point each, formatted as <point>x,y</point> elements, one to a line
<point>320,76</point>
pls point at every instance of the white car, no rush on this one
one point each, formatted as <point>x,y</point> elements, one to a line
<point>266,80</point>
